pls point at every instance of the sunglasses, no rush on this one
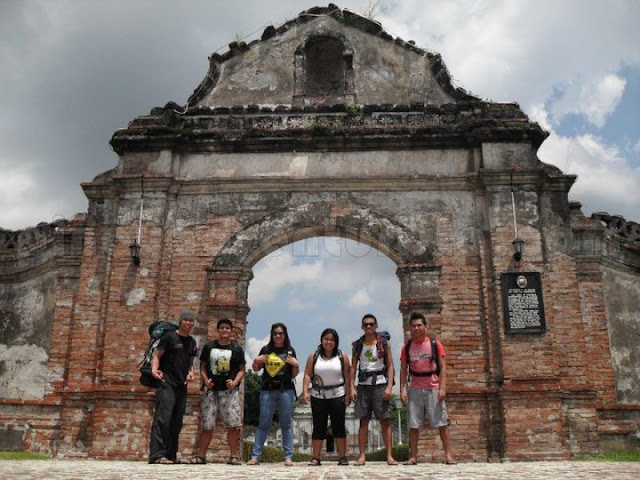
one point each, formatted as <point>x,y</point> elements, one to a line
<point>368,324</point>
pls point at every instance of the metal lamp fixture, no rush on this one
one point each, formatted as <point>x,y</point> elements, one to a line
<point>518,246</point>
<point>135,246</point>
<point>135,252</point>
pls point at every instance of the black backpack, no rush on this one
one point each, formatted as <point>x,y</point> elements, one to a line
<point>157,330</point>
<point>434,354</point>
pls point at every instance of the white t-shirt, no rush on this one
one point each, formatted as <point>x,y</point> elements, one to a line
<point>328,372</point>
<point>369,362</point>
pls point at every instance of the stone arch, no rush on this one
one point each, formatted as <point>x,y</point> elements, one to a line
<point>231,270</point>
<point>323,219</point>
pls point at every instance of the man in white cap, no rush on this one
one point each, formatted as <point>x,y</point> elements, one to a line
<point>172,365</point>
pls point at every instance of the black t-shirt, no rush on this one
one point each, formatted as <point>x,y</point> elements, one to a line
<point>223,362</point>
<point>277,374</point>
<point>176,360</point>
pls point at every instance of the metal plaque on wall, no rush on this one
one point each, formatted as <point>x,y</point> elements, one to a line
<point>522,302</point>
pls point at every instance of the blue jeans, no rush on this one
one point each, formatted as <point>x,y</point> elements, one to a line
<point>268,401</point>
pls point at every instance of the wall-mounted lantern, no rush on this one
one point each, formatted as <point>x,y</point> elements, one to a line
<point>135,247</point>
<point>135,252</point>
<point>518,246</point>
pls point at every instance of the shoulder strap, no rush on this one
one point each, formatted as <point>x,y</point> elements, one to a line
<point>381,346</point>
<point>316,354</point>
<point>434,354</point>
<point>357,347</point>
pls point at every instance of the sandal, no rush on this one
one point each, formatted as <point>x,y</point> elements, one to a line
<point>197,460</point>
<point>288,462</point>
<point>233,461</point>
<point>343,461</point>
<point>163,461</point>
<point>253,461</point>
<point>411,461</point>
<point>315,462</point>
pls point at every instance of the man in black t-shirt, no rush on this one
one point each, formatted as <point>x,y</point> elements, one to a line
<point>222,367</point>
<point>172,365</point>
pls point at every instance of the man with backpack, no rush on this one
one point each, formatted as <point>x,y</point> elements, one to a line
<point>424,359</point>
<point>372,366</point>
<point>222,367</point>
<point>172,366</point>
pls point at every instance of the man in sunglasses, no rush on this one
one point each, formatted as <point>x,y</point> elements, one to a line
<point>372,366</point>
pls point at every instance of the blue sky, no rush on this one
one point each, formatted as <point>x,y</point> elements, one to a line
<point>75,71</point>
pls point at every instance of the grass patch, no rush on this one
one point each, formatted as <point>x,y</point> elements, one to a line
<point>6,455</point>
<point>400,453</point>
<point>615,456</point>
<point>271,454</point>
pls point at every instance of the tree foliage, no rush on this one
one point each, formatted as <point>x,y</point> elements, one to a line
<point>252,383</point>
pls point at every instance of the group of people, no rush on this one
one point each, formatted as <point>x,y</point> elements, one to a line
<point>332,381</point>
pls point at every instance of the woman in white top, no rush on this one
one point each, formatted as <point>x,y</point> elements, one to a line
<point>325,386</point>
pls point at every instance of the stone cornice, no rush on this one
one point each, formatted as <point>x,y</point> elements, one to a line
<point>256,128</point>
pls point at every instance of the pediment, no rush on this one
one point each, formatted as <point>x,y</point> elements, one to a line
<point>326,55</point>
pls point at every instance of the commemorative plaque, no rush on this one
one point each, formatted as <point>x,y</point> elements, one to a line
<point>522,302</point>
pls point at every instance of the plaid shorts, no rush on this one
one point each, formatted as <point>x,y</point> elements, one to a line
<point>224,405</point>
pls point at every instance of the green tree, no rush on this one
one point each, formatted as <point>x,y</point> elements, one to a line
<point>252,383</point>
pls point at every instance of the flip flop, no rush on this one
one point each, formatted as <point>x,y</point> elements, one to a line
<point>393,462</point>
<point>411,461</point>
<point>451,462</point>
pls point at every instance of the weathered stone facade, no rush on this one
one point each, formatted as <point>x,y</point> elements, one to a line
<point>271,149</point>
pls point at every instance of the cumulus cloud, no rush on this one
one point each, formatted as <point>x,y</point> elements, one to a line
<point>277,271</point>
<point>605,177</point>
<point>596,99</point>
<point>252,348</point>
<point>359,299</point>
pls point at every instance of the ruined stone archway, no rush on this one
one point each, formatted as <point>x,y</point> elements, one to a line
<point>231,270</point>
<point>397,158</point>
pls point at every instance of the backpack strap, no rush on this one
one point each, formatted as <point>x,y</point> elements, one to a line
<point>434,356</point>
<point>316,384</point>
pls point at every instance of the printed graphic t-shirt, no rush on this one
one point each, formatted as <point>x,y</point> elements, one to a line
<point>277,372</point>
<point>223,362</point>
<point>421,360</point>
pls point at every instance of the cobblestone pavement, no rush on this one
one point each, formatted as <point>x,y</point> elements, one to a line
<point>103,470</point>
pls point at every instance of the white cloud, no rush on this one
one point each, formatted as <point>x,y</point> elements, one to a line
<point>297,305</point>
<point>596,99</point>
<point>19,190</point>
<point>538,113</point>
<point>252,348</point>
<point>359,299</point>
<point>277,271</point>
<point>605,177</point>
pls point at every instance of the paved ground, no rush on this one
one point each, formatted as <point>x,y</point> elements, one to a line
<point>103,470</point>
